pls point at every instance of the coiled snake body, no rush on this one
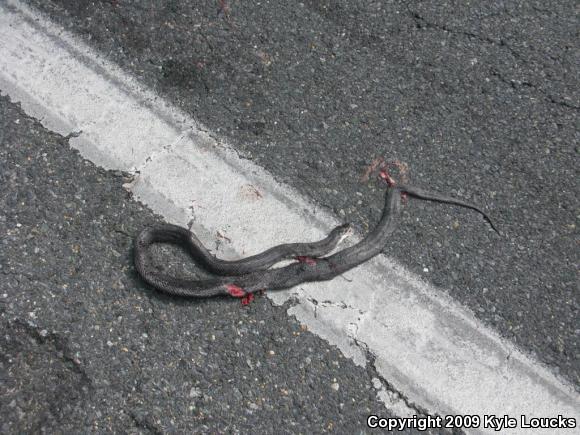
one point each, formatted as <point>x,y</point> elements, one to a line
<point>252,274</point>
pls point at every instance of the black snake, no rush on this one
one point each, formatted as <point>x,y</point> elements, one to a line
<point>247,276</point>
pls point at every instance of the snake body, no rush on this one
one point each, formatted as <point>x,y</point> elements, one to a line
<point>168,233</point>
<point>242,277</point>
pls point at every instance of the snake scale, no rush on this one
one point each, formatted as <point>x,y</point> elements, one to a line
<point>249,275</point>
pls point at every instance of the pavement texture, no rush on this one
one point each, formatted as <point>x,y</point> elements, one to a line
<point>479,100</point>
<point>86,347</point>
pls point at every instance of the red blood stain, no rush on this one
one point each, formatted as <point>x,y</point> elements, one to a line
<point>384,174</point>
<point>246,300</point>
<point>308,260</point>
<point>235,291</point>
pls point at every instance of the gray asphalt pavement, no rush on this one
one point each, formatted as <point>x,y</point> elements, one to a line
<point>479,100</point>
<point>87,347</point>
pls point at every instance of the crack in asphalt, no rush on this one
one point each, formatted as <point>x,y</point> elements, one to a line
<point>429,24</point>
<point>143,422</point>
<point>500,43</point>
<point>373,372</point>
<point>59,343</point>
<point>140,356</point>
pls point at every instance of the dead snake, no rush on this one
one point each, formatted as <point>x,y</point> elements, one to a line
<point>243,277</point>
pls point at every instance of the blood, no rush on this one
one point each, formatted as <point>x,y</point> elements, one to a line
<point>384,174</point>
<point>304,259</point>
<point>246,300</point>
<point>235,291</point>
<point>238,292</point>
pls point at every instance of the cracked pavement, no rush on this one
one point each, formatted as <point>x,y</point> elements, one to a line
<point>87,347</point>
<point>479,100</point>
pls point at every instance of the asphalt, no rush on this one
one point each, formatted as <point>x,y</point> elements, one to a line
<point>87,347</point>
<point>479,100</point>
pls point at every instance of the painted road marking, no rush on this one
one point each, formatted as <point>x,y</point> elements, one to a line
<point>427,346</point>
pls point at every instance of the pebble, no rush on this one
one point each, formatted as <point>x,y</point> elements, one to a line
<point>195,393</point>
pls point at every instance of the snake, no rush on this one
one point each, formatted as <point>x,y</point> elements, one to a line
<point>240,278</point>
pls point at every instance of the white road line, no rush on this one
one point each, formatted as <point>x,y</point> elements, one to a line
<point>426,345</point>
